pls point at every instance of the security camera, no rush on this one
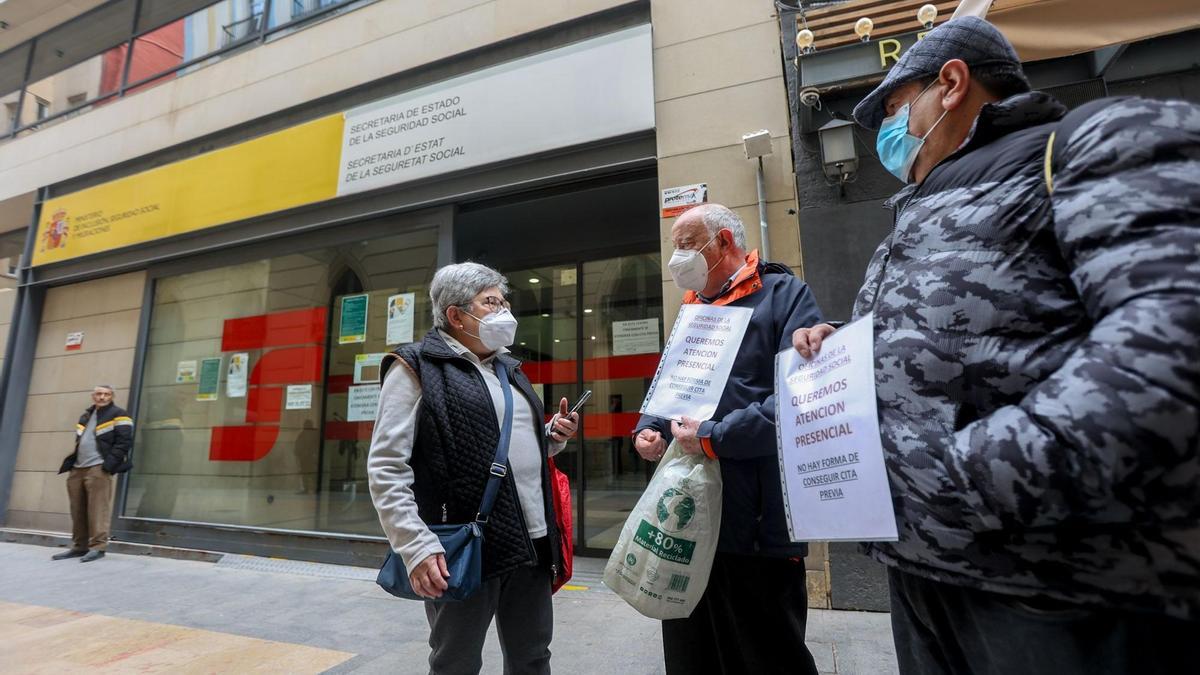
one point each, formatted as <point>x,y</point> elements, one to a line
<point>811,97</point>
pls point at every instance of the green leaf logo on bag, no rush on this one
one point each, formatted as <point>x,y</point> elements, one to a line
<point>675,510</point>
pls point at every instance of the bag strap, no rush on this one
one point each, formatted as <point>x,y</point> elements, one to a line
<point>499,467</point>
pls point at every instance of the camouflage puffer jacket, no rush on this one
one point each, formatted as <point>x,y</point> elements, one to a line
<point>1038,358</point>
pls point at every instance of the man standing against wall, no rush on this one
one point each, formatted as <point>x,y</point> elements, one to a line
<point>1037,366</point>
<point>103,441</point>
<point>753,614</point>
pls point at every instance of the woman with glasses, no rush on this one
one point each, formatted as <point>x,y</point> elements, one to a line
<point>436,434</point>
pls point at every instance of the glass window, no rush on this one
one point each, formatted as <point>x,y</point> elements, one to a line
<point>251,411</point>
<point>193,37</point>
<point>81,39</point>
<point>286,11</point>
<point>70,89</point>
<point>12,73</point>
<point>155,13</point>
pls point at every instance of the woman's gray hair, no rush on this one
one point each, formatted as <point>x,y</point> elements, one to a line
<point>457,285</point>
<point>717,218</point>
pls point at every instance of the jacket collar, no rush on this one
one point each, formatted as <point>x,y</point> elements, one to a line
<point>747,281</point>
<point>1014,113</point>
<point>438,345</point>
<point>996,120</point>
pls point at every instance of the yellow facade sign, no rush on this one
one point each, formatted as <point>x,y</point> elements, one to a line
<point>283,170</point>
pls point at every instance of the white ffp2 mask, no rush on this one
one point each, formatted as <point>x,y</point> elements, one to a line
<point>689,269</point>
<point>496,330</point>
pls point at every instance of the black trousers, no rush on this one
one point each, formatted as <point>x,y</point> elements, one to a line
<point>942,629</point>
<point>751,619</point>
<point>521,605</point>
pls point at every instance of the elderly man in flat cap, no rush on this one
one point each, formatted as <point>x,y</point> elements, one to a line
<point>1036,312</point>
<point>103,441</point>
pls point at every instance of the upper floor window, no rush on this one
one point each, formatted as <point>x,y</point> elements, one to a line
<point>124,46</point>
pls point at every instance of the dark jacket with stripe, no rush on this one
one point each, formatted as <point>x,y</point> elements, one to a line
<point>114,438</point>
<point>1037,357</point>
<point>455,444</point>
<point>741,432</point>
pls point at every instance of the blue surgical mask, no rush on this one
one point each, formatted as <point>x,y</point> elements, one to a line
<point>897,148</point>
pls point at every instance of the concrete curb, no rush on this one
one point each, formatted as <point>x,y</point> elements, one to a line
<point>59,539</point>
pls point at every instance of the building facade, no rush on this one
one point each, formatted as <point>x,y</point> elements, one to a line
<point>229,210</point>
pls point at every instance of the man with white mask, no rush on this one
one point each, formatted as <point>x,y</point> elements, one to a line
<point>753,613</point>
<point>443,404</point>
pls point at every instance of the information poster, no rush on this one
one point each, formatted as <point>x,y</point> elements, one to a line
<point>235,376</point>
<point>353,325</point>
<point>835,484</point>
<point>366,367</point>
<point>362,403</point>
<point>400,318</point>
<point>210,379</point>
<point>185,372</point>
<point>696,362</point>
<point>299,397</point>
<point>635,337</point>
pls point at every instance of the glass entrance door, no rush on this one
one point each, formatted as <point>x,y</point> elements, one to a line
<point>594,325</point>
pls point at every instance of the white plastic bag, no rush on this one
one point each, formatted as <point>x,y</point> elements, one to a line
<point>663,558</point>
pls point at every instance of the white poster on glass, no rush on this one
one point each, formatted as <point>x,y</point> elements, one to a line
<point>235,376</point>
<point>835,484</point>
<point>299,397</point>
<point>635,337</point>
<point>362,402</point>
<point>366,367</point>
<point>400,318</point>
<point>185,372</point>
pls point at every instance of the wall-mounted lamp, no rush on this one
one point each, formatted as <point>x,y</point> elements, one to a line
<point>927,15</point>
<point>863,28</point>
<point>838,155</point>
<point>804,40</point>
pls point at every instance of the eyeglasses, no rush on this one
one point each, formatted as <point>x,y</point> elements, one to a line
<point>495,304</point>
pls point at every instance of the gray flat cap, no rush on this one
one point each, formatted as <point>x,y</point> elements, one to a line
<point>969,38</point>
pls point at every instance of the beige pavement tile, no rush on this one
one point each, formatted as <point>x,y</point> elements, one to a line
<point>39,640</point>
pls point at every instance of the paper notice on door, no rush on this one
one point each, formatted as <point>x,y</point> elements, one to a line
<point>400,318</point>
<point>353,325</point>
<point>635,337</point>
<point>835,485</point>
<point>235,376</point>
<point>210,380</point>
<point>299,397</point>
<point>366,367</point>
<point>696,362</point>
<point>362,402</point>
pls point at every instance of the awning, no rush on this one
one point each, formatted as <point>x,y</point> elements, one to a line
<point>1046,29</point>
<point>1039,29</point>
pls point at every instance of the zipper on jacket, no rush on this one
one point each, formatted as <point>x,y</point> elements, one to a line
<point>445,513</point>
<point>887,257</point>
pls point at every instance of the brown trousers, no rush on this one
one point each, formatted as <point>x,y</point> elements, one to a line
<point>90,491</point>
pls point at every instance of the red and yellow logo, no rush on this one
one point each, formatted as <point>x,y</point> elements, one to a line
<point>55,234</point>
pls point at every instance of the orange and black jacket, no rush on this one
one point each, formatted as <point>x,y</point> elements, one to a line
<point>741,433</point>
<point>114,438</point>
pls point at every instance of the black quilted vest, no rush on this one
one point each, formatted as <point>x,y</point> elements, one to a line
<point>454,447</point>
